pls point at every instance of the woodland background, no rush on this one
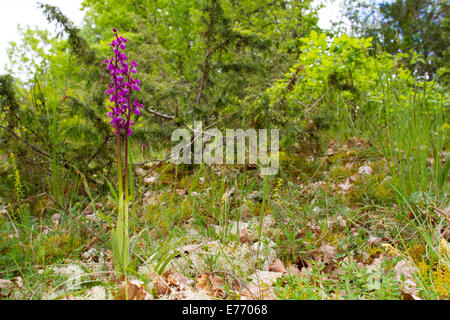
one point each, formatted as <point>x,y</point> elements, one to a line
<point>359,209</point>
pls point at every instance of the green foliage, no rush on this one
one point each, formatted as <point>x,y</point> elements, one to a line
<point>332,81</point>
<point>199,60</point>
<point>120,240</point>
<point>298,288</point>
<point>417,27</point>
<point>204,57</point>
<point>353,283</point>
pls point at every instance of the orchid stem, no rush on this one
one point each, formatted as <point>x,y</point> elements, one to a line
<point>119,165</point>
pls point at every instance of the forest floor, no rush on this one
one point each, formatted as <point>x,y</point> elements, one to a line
<point>327,227</point>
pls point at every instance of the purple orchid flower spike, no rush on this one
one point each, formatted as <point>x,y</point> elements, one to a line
<point>123,84</point>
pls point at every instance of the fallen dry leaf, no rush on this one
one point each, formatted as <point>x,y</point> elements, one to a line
<point>212,284</point>
<point>277,266</point>
<point>329,252</point>
<point>293,270</point>
<point>405,271</point>
<point>408,296</point>
<point>175,278</point>
<point>217,285</point>
<point>135,291</point>
<point>261,286</point>
<point>244,236</point>
<point>202,281</point>
<point>161,286</point>
<point>174,282</point>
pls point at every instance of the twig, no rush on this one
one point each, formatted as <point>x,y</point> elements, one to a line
<point>24,200</point>
<point>26,142</point>
<point>161,115</point>
<point>145,162</point>
<point>36,196</point>
<point>442,213</point>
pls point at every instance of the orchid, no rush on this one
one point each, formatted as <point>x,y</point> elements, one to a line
<point>120,95</point>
